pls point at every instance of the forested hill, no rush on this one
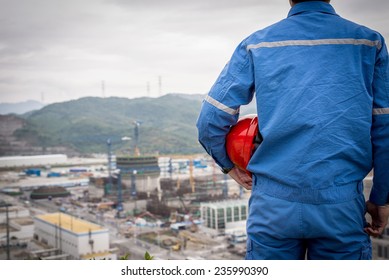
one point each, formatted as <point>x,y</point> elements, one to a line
<point>167,124</point>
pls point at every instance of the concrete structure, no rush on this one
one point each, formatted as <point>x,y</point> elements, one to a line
<point>21,225</point>
<point>140,174</point>
<point>228,216</point>
<point>26,161</point>
<point>14,212</point>
<point>72,236</point>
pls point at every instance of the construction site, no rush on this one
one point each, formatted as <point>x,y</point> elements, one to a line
<point>120,204</point>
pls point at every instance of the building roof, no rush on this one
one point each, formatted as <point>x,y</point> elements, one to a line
<point>225,203</point>
<point>57,156</point>
<point>49,191</point>
<point>69,223</point>
<point>92,256</point>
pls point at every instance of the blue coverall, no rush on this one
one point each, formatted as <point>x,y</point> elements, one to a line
<point>321,84</point>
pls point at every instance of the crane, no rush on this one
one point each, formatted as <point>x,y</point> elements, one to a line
<point>109,186</point>
<point>119,204</point>
<point>136,134</point>
<point>191,177</point>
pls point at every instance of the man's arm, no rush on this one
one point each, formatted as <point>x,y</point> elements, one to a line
<point>379,216</point>
<point>379,196</point>
<point>241,177</point>
<point>220,109</point>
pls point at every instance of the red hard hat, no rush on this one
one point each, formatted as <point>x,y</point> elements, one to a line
<point>242,140</point>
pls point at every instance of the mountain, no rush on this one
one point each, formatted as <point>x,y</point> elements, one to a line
<point>11,144</point>
<point>167,124</point>
<point>20,108</point>
<point>83,126</point>
<point>244,110</point>
<point>196,97</point>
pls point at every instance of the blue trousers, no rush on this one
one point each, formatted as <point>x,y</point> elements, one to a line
<point>278,229</point>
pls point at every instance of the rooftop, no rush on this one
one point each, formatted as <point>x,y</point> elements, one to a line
<point>225,203</point>
<point>68,222</point>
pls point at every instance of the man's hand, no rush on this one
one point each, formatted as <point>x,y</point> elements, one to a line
<point>379,218</point>
<point>241,177</point>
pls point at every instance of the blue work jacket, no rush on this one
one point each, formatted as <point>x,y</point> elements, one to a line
<point>321,84</point>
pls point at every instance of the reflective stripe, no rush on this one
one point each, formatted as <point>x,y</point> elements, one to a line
<point>221,106</point>
<point>318,42</point>
<point>381,111</point>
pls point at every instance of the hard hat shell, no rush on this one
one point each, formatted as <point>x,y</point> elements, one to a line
<point>241,141</point>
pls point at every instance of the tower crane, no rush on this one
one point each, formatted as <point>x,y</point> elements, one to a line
<point>136,132</point>
<point>109,186</point>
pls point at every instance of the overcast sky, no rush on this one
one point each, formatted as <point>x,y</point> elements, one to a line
<point>57,50</point>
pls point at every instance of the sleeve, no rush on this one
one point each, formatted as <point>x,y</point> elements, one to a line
<point>379,194</point>
<point>220,108</point>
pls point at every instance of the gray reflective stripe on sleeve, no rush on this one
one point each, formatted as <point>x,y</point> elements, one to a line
<point>221,106</point>
<point>381,111</point>
<point>318,42</point>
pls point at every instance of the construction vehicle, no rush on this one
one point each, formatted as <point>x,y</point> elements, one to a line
<point>105,205</point>
<point>189,237</point>
<point>176,247</point>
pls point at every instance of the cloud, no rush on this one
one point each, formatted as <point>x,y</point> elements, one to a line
<point>67,48</point>
<point>371,13</point>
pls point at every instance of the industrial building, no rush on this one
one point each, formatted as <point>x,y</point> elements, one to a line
<point>74,237</point>
<point>20,224</point>
<point>228,216</point>
<point>140,173</point>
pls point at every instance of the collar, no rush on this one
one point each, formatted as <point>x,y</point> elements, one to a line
<point>312,6</point>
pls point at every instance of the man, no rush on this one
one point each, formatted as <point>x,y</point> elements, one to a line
<point>322,92</point>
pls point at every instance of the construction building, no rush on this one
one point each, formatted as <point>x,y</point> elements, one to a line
<point>76,238</point>
<point>20,224</point>
<point>141,173</point>
<point>227,216</point>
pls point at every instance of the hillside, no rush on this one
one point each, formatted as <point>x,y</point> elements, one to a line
<point>84,125</point>
<point>20,108</point>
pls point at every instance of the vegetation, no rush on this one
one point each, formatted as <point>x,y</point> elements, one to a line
<point>85,125</point>
<point>147,256</point>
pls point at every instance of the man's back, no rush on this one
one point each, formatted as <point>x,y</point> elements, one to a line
<point>313,75</point>
<point>322,91</point>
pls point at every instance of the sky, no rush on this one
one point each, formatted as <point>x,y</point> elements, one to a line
<point>58,50</point>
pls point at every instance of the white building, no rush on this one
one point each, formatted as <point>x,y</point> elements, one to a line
<point>77,238</point>
<point>228,216</point>
<point>21,226</point>
<point>26,161</point>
